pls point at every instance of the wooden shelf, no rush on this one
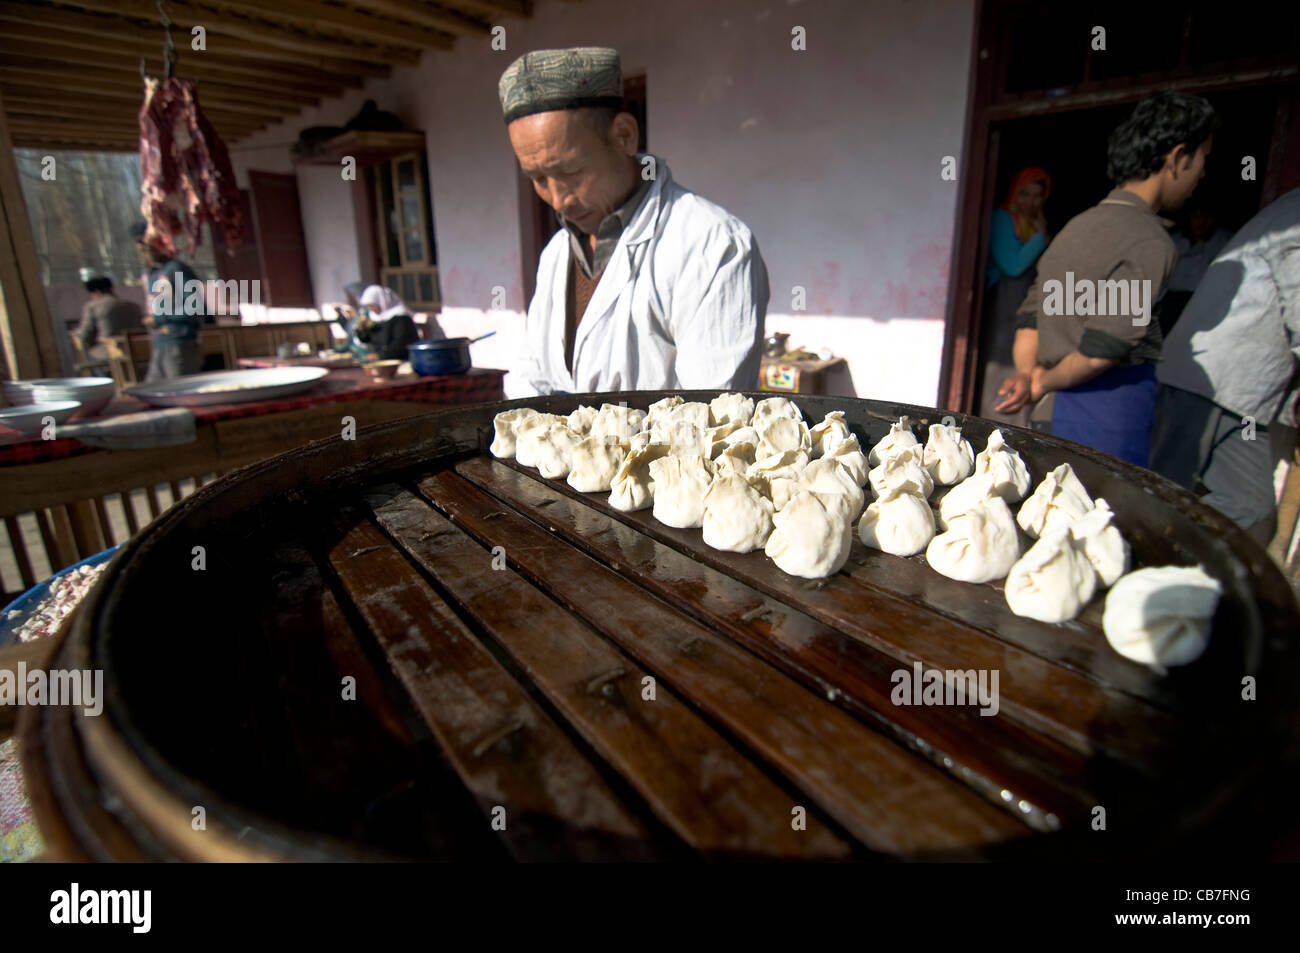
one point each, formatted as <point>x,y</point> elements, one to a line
<point>365,147</point>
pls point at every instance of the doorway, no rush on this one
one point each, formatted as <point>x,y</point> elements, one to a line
<point>1040,96</point>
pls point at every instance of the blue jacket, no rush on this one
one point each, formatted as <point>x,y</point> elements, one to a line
<point>1007,254</point>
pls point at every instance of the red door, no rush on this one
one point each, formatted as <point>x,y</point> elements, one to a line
<point>281,248</point>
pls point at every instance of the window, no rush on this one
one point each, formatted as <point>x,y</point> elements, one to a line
<point>408,261</point>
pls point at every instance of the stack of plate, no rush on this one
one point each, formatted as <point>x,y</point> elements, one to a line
<point>28,417</point>
<point>93,393</point>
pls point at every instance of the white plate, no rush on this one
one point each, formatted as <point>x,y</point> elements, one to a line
<point>28,417</point>
<point>228,387</point>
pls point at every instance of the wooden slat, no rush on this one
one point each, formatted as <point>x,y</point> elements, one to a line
<point>177,495</point>
<point>506,749</point>
<point>1040,770</point>
<point>68,550</point>
<point>1045,697</point>
<point>50,544</point>
<point>105,524</point>
<point>699,784</point>
<point>132,524</point>
<point>19,548</point>
<point>358,756</point>
<point>725,681</point>
<point>85,530</point>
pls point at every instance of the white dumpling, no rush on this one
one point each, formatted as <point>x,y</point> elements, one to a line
<point>850,456</point>
<point>782,434</point>
<point>948,455</point>
<point>1058,500</point>
<point>900,437</point>
<point>827,477</point>
<point>980,545</point>
<point>1010,475</point>
<point>679,487</point>
<point>1161,616</point>
<point>1105,548</point>
<point>809,540</point>
<point>595,463</point>
<point>765,411</point>
<point>503,426</point>
<point>685,438</point>
<point>900,522</point>
<point>902,465</point>
<point>778,475</point>
<point>1053,580</point>
<point>974,489</point>
<point>618,421</point>
<point>555,452</point>
<point>745,434</point>
<point>737,518</point>
<point>661,408</point>
<point>580,420</point>
<point>632,487</point>
<point>828,434</point>
<point>693,412</point>
<point>737,459</point>
<point>529,433</point>
<point>731,408</point>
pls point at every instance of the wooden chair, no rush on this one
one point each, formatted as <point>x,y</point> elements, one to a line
<point>85,365</point>
<point>120,365</point>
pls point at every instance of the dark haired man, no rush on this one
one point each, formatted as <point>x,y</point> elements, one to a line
<point>1086,329</point>
<point>647,285</point>
<point>104,315</point>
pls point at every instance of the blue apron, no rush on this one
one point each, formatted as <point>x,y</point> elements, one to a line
<point>1112,413</point>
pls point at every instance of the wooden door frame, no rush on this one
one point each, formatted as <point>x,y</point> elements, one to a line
<point>975,195</point>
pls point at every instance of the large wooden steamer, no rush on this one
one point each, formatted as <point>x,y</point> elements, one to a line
<point>399,647</point>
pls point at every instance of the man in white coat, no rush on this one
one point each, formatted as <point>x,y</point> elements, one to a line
<point>647,286</point>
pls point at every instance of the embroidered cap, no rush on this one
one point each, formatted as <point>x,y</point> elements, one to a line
<point>546,80</point>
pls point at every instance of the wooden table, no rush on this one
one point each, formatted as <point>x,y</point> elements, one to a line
<point>611,688</point>
<point>74,490</point>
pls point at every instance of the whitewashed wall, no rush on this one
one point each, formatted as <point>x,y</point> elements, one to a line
<point>832,156</point>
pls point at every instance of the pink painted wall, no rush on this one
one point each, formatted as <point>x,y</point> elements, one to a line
<point>832,156</point>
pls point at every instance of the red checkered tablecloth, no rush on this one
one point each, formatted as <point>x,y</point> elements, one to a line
<point>344,384</point>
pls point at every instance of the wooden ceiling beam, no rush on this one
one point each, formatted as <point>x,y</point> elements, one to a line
<point>113,98</point>
<point>75,109</point>
<point>342,21</point>
<point>185,16</point>
<point>434,18</point>
<point>113,122</point>
<point>118,85</point>
<point>69,113</point>
<point>40,56</point>
<point>488,8</point>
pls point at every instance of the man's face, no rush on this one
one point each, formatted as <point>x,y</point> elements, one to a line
<point>1185,174</point>
<point>574,170</point>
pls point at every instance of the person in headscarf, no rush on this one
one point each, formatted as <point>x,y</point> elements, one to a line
<point>1017,237</point>
<point>385,324</point>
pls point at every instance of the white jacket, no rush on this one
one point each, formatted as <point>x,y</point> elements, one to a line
<point>680,305</point>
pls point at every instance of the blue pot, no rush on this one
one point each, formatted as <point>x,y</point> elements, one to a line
<point>431,358</point>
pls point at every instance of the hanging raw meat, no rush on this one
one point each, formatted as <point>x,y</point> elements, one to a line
<point>185,173</point>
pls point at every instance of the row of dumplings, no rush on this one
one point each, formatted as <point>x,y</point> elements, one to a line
<point>751,475</point>
<point>1159,616</point>
<point>754,475</point>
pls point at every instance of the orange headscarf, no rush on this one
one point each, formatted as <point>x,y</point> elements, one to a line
<point>1024,228</point>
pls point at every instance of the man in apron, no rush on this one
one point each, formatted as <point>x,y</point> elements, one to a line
<point>1090,312</point>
